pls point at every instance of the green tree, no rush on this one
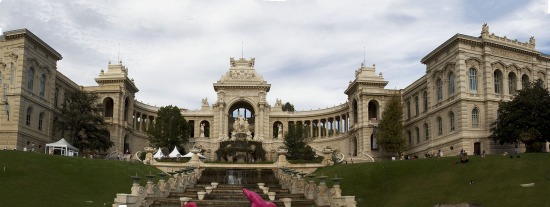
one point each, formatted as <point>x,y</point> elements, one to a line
<point>170,129</point>
<point>296,143</point>
<point>81,118</point>
<point>526,118</point>
<point>288,107</point>
<point>390,129</point>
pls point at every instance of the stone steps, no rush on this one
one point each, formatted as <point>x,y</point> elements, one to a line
<point>231,195</point>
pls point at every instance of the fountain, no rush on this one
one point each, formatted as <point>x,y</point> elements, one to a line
<point>241,147</point>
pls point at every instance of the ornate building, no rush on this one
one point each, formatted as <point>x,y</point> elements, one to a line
<point>450,108</point>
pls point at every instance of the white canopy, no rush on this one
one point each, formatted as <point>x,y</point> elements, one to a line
<point>62,145</point>
<point>174,153</point>
<point>159,154</point>
<point>189,154</point>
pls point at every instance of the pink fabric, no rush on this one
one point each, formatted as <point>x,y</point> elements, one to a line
<point>190,204</point>
<point>256,200</point>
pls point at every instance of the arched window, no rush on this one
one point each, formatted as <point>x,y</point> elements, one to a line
<point>30,79</point>
<point>475,118</point>
<point>439,126</point>
<point>451,84</point>
<point>355,118</point>
<point>416,106</point>
<point>439,90</point>
<point>417,134</point>
<point>452,121</point>
<point>425,97</point>
<point>42,85</point>
<point>410,137</point>
<point>12,71</point>
<point>373,109</point>
<point>473,80</point>
<point>512,83</point>
<point>426,132</point>
<point>497,76</point>
<point>40,121</point>
<point>109,105</point>
<point>524,80</point>
<point>55,96</point>
<point>126,106</point>
<point>8,112</point>
<point>408,109</point>
<point>29,113</point>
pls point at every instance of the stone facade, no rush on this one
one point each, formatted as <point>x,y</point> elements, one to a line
<point>450,108</point>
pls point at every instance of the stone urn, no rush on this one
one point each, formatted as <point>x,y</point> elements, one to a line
<point>271,195</point>
<point>286,201</point>
<point>214,185</point>
<point>208,189</point>
<point>184,200</point>
<point>282,151</point>
<point>261,185</point>
<point>149,149</point>
<point>201,195</point>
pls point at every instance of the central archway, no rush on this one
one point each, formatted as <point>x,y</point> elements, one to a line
<point>244,111</point>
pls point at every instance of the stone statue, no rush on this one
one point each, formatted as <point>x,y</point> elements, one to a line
<point>485,29</point>
<point>251,62</point>
<point>232,62</point>
<point>532,41</point>
<point>241,129</point>
<point>205,101</point>
<point>278,102</point>
<point>202,130</point>
<point>279,131</point>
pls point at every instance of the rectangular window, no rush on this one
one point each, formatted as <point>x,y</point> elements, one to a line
<point>439,126</point>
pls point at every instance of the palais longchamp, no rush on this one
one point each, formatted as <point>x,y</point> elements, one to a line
<point>449,108</point>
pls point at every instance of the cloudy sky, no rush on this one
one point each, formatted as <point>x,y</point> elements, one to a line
<point>307,50</point>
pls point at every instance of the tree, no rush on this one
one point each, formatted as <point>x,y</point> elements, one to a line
<point>526,118</point>
<point>296,143</point>
<point>390,129</point>
<point>81,118</point>
<point>288,107</point>
<point>170,129</point>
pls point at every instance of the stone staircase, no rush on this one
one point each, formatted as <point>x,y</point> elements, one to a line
<point>228,192</point>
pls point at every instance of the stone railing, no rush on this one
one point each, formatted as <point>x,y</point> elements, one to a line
<point>300,183</point>
<point>177,182</point>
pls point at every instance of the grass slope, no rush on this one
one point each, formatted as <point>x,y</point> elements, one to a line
<point>33,179</point>
<point>427,182</point>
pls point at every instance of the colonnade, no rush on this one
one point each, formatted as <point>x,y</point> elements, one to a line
<point>142,121</point>
<point>324,127</point>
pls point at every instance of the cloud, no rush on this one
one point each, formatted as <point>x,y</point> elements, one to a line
<point>308,50</point>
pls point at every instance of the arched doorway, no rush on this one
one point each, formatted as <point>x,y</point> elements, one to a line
<point>126,145</point>
<point>354,146</point>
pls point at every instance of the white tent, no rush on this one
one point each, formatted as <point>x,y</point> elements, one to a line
<point>159,154</point>
<point>63,146</point>
<point>189,154</point>
<point>174,153</point>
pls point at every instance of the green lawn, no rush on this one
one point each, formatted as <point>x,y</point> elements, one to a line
<point>34,179</point>
<point>427,182</point>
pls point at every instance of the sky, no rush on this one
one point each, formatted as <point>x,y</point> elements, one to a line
<point>307,50</point>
